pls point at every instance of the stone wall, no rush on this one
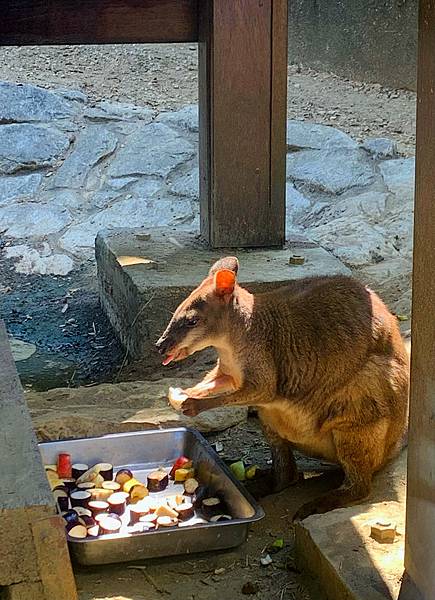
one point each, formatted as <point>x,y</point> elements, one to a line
<point>365,40</point>
<point>69,168</point>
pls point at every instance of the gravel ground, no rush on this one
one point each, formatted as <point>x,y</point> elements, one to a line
<point>165,76</point>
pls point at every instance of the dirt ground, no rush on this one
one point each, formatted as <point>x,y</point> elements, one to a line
<point>165,77</point>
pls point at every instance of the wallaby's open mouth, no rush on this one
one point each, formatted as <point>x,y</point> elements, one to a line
<point>175,354</point>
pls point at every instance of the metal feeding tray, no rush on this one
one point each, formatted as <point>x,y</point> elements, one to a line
<point>142,452</point>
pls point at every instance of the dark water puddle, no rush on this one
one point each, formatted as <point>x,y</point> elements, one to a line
<point>75,343</point>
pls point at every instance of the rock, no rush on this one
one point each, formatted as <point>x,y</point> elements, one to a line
<point>20,103</point>
<point>332,171</point>
<point>129,212</point>
<point>92,145</point>
<point>354,241</point>
<point>369,206</point>
<point>21,350</point>
<point>186,185</point>
<point>119,183</point>
<point>32,220</point>
<point>109,408</point>
<point>380,148</point>
<point>32,262</point>
<point>303,135</point>
<point>154,149</point>
<point>388,278</point>
<point>118,111</point>
<point>19,187</point>
<point>72,95</point>
<point>27,146</point>
<point>297,205</point>
<point>186,118</point>
<point>71,199</point>
<point>399,175</point>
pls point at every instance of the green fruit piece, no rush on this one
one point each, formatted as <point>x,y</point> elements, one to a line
<point>251,471</point>
<point>238,470</point>
<point>278,543</point>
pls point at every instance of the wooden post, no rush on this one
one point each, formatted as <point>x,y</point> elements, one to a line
<point>420,528</point>
<point>242,100</point>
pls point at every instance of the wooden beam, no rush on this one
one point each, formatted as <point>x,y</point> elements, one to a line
<point>242,95</point>
<point>420,529</point>
<point>38,22</point>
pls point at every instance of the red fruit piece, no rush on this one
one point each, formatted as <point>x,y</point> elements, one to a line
<point>64,466</point>
<point>182,461</point>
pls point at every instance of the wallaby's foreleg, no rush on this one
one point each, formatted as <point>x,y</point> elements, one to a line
<point>284,471</point>
<point>248,395</point>
<point>359,452</point>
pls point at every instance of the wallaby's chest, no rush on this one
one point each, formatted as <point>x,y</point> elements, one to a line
<point>299,427</point>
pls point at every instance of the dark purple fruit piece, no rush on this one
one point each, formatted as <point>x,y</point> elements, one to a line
<point>86,485</point>
<point>71,516</point>
<point>185,511</point>
<point>70,484</point>
<point>78,469</point>
<point>219,518</point>
<point>97,507</point>
<point>80,498</point>
<point>78,532</point>
<point>110,524</point>
<point>123,475</point>
<point>117,503</point>
<point>137,511</point>
<point>83,512</point>
<point>211,507</point>
<point>157,481</point>
<point>113,486</point>
<point>201,493</point>
<point>61,496</point>
<point>106,471</point>
<point>190,486</point>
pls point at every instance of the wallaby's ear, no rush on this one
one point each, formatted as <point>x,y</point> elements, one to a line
<point>229,263</point>
<point>224,282</point>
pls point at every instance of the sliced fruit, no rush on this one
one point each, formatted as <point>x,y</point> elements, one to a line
<point>78,532</point>
<point>77,470</point>
<point>166,521</point>
<point>183,474</point>
<point>117,503</point>
<point>157,481</point>
<point>166,511</point>
<point>185,511</point>
<point>211,506</point>
<point>182,461</point>
<point>123,475</point>
<point>238,470</point>
<point>64,465</point>
<point>191,485</point>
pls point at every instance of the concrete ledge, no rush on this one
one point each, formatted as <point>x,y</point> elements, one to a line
<point>337,547</point>
<point>144,274</point>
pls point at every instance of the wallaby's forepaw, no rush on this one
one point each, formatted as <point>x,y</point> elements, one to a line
<point>265,483</point>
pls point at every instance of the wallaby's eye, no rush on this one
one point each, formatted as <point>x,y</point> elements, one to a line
<point>192,322</point>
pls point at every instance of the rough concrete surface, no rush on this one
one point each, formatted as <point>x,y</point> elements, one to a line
<point>112,408</point>
<point>144,274</point>
<point>337,546</point>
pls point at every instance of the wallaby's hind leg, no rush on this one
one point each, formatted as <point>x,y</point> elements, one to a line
<point>282,474</point>
<point>360,451</point>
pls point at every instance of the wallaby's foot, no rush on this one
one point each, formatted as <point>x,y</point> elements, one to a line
<point>345,495</point>
<point>266,483</point>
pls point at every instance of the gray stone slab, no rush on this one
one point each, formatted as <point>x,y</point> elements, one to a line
<point>118,111</point>
<point>186,118</point>
<point>399,175</point>
<point>29,146</point>
<point>32,219</point>
<point>154,149</point>
<point>133,294</point>
<point>332,171</point>
<point>303,135</point>
<point>380,147</point>
<point>337,548</point>
<point>92,145</point>
<point>20,103</point>
<point>18,187</point>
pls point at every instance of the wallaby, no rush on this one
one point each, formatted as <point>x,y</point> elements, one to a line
<point>322,360</point>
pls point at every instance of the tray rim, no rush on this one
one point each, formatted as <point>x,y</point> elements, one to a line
<point>258,510</point>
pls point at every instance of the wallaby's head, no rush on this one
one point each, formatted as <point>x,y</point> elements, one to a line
<point>200,320</point>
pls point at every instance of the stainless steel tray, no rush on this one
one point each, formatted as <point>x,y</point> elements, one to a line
<point>141,452</point>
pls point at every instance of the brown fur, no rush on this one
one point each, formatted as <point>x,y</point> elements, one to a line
<point>322,360</point>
